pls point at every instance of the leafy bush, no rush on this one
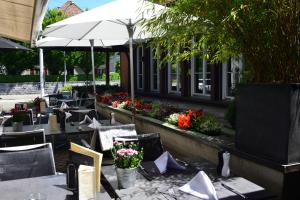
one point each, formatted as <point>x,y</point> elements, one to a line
<point>113,76</point>
<point>207,125</point>
<point>66,88</point>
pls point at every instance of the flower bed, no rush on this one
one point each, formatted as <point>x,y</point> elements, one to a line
<point>195,120</point>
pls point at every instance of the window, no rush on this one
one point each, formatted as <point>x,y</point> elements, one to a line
<point>200,77</point>
<point>174,72</point>
<point>140,68</point>
<point>154,71</point>
<point>231,76</point>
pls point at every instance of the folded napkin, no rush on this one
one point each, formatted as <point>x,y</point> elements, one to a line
<point>95,124</point>
<point>64,105</point>
<point>68,115</point>
<point>200,186</point>
<point>86,120</point>
<point>166,161</point>
<point>86,182</point>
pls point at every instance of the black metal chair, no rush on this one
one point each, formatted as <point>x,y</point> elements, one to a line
<point>26,162</point>
<point>28,119</point>
<point>10,139</point>
<point>150,142</point>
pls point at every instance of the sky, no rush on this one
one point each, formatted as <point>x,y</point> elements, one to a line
<point>83,4</point>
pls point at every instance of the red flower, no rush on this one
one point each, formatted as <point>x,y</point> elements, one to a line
<point>184,121</point>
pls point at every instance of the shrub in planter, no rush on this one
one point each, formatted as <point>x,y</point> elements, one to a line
<point>173,119</point>
<point>207,125</point>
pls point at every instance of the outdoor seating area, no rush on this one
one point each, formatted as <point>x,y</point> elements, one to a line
<point>149,100</point>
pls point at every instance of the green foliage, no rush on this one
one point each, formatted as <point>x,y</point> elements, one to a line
<point>265,32</point>
<point>127,156</point>
<point>19,116</point>
<point>207,125</point>
<point>17,61</point>
<point>230,115</point>
<point>66,88</point>
<point>52,16</point>
<point>113,76</point>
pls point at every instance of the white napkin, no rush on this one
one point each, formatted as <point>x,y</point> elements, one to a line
<point>68,115</point>
<point>95,124</point>
<point>64,105</point>
<point>166,161</point>
<point>200,186</point>
<point>86,182</point>
<point>86,120</point>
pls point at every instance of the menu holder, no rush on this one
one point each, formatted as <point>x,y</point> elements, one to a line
<point>52,121</point>
<point>42,107</point>
<point>97,157</point>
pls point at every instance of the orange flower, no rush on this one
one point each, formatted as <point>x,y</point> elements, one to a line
<point>184,121</point>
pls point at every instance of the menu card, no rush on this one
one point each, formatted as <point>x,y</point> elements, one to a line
<point>166,161</point>
<point>64,106</point>
<point>200,186</point>
<point>97,157</point>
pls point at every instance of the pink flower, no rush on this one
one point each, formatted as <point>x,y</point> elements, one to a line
<point>121,152</point>
<point>131,152</point>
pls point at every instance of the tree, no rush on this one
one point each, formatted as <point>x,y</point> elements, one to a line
<point>18,61</point>
<point>265,32</point>
<point>54,60</point>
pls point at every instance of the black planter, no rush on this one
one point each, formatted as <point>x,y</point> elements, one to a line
<point>268,121</point>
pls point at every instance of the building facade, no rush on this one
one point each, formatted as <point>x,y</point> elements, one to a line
<point>70,9</point>
<point>194,80</point>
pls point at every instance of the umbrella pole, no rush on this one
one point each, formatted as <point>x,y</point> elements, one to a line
<point>94,78</point>
<point>65,68</point>
<point>41,54</point>
<point>130,32</point>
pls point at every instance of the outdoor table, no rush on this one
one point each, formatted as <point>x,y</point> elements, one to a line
<point>54,187</point>
<point>166,186</point>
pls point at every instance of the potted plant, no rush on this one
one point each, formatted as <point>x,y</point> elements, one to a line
<point>18,118</point>
<point>127,159</point>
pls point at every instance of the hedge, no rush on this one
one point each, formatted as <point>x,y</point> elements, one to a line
<point>52,78</point>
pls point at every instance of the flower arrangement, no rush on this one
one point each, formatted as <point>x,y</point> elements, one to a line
<point>126,156</point>
<point>17,115</point>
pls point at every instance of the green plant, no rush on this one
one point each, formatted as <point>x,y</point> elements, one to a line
<point>224,29</point>
<point>230,114</point>
<point>207,125</point>
<point>126,156</point>
<point>17,115</point>
<point>66,88</point>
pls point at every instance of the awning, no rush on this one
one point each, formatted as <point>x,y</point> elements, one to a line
<point>21,20</point>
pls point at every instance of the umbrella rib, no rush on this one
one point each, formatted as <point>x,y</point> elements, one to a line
<point>90,30</point>
<point>69,42</point>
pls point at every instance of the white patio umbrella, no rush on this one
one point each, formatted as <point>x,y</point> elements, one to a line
<point>118,20</point>
<point>54,42</point>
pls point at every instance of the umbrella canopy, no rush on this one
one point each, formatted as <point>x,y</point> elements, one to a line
<point>54,42</point>
<point>10,45</point>
<point>107,22</point>
<point>118,20</point>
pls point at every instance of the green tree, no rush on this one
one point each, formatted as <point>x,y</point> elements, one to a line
<point>54,59</point>
<point>266,32</point>
<point>18,61</point>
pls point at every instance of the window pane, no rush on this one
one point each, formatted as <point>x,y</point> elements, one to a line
<point>174,83</point>
<point>140,83</point>
<point>198,87</point>
<point>199,64</point>
<point>155,82</point>
<point>154,66</point>
<point>174,68</point>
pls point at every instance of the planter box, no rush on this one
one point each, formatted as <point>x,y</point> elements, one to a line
<point>268,121</point>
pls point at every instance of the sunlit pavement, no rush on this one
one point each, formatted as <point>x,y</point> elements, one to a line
<point>7,102</point>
